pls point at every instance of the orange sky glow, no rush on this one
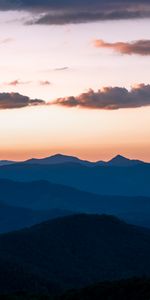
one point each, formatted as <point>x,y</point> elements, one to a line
<point>64,62</point>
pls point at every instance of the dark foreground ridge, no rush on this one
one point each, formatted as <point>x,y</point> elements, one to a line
<point>72,252</point>
<point>129,289</point>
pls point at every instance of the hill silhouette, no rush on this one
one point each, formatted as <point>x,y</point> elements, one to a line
<point>58,159</point>
<point>77,251</point>
<point>130,289</point>
<point>27,203</point>
<point>15,218</point>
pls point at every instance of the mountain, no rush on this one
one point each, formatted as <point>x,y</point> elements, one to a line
<point>15,218</point>
<point>27,203</point>
<point>63,159</point>
<point>121,161</point>
<point>75,251</point>
<point>104,180</point>
<point>6,162</point>
<point>57,159</point>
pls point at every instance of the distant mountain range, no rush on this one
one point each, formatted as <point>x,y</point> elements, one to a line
<point>6,162</point>
<point>62,159</point>
<point>14,218</point>
<point>72,252</point>
<point>23,204</point>
<point>118,160</point>
<point>84,238</point>
<point>132,180</point>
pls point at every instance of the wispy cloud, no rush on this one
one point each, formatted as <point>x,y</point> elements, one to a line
<point>140,47</point>
<point>44,82</point>
<point>6,41</point>
<point>16,82</point>
<point>61,69</point>
<point>15,100</point>
<point>57,69</point>
<point>109,98</point>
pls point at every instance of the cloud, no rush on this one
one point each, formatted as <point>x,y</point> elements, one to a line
<point>109,98</point>
<point>15,100</point>
<point>44,82</point>
<point>88,16</point>
<point>6,41</point>
<point>61,12</point>
<point>61,69</point>
<point>140,47</point>
<point>16,82</point>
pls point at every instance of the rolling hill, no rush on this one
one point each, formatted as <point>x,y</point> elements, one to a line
<point>6,162</point>
<point>130,289</point>
<point>75,251</point>
<point>27,203</point>
<point>15,218</point>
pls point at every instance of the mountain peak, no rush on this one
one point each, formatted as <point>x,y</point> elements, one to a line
<point>54,159</point>
<point>61,156</point>
<point>120,157</point>
<point>120,160</point>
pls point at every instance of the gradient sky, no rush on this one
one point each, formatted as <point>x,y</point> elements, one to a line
<point>51,61</point>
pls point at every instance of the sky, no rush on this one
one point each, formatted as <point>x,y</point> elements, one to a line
<point>75,79</point>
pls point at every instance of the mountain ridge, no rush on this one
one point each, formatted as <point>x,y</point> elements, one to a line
<point>59,158</point>
<point>41,199</point>
<point>103,180</point>
<point>76,250</point>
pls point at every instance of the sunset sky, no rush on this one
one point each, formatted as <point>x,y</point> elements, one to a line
<point>86,65</point>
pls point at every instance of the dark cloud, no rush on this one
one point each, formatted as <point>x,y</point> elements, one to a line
<point>86,17</point>
<point>141,47</point>
<point>15,100</point>
<point>43,5</point>
<point>109,98</point>
<point>79,11</point>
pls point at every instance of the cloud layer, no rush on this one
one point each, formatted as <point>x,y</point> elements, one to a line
<point>109,98</point>
<point>15,100</point>
<point>140,47</point>
<point>79,11</point>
